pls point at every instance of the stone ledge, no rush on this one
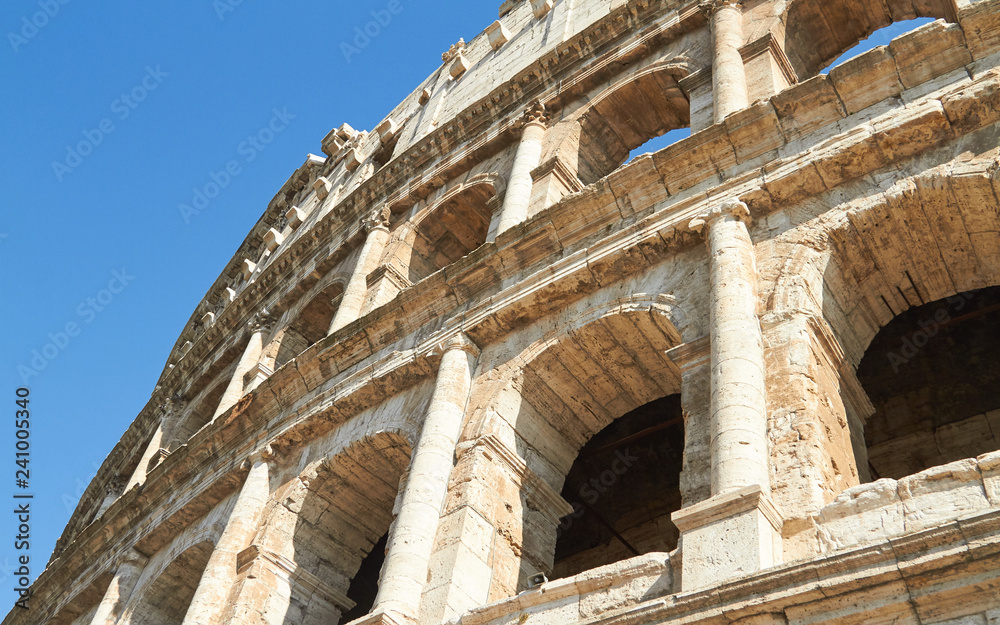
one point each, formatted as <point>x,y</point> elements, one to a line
<point>726,505</point>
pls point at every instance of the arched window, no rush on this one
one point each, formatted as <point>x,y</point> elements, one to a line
<point>166,600</point>
<point>623,487</point>
<point>341,529</point>
<point>933,375</point>
<point>199,415</point>
<point>818,33</point>
<point>448,231</point>
<point>627,115</point>
<point>310,325</point>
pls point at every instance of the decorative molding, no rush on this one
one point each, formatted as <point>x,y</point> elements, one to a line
<point>691,354</point>
<point>726,505</point>
<point>556,167</point>
<point>454,51</point>
<point>381,217</point>
<point>293,574</point>
<point>547,500</point>
<point>765,44</point>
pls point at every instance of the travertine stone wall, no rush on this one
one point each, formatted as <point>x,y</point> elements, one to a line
<point>431,320</point>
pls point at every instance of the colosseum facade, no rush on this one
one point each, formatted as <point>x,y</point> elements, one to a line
<point>478,367</point>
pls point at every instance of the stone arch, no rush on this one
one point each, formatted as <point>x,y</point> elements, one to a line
<point>200,411</point>
<point>324,526</point>
<point>81,608</point>
<point>553,397</point>
<point>446,229</point>
<point>309,323</point>
<point>623,116</point>
<point>169,588</point>
<point>925,239</point>
<point>817,33</point>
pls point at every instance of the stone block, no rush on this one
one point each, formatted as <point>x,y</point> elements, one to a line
<point>928,52</point>
<point>272,239</point>
<point>807,106</point>
<point>974,106</point>
<point>864,514</point>
<point>942,494</point>
<point>989,468</point>
<point>981,24</point>
<point>866,79</point>
<point>295,217</point>
<point>730,535</point>
<point>497,34</point>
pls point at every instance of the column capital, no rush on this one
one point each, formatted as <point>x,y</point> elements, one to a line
<point>379,218</point>
<point>459,341</point>
<point>264,454</point>
<point>734,209</point>
<point>709,7</point>
<point>536,114</point>
<point>132,558</point>
<point>262,321</point>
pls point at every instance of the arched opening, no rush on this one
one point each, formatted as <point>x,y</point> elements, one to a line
<point>166,600</point>
<point>880,37</point>
<point>623,487</point>
<point>626,116</point>
<point>933,376</point>
<point>310,325</point>
<point>81,609</point>
<point>581,399</point>
<point>199,415</point>
<point>341,530</point>
<point>896,262</point>
<point>450,230</point>
<point>817,33</point>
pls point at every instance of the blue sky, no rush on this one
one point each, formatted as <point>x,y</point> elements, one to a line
<point>114,112</point>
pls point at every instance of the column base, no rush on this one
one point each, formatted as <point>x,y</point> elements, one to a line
<point>732,534</point>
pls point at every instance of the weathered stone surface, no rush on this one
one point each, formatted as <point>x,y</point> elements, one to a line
<point>465,336</point>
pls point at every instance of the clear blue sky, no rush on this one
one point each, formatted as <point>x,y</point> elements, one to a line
<point>151,98</point>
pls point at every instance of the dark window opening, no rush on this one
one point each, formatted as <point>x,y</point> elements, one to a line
<point>451,231</point>
<point>933,375</point>
<point>364,587</point>
<point>623,487</point>
<point>644,108</point>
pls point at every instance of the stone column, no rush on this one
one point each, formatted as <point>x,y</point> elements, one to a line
<point>404,573</point>
<point>377,227</point>
<point>729,78</point>
<point>152,449</point>
<point>260,325</point>
<point>738,529</point>
<point>128,572</point>
<point>526,159</point>
<point>210,598</point>
<point>739,413</point>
